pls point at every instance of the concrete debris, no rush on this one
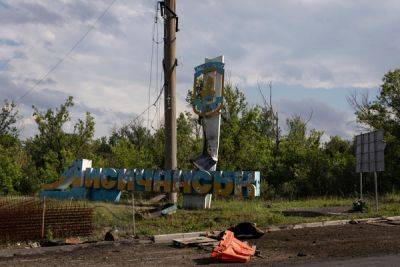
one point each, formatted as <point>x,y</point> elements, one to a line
<point>169,210</point>
<point>194,241</point>
<point>168,238</point>
<point>166,209</point>
<point>34,245</point>
<point>158,198</point>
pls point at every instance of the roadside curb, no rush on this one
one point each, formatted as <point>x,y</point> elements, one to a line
<point>329,223</point>
<point>168,238</point>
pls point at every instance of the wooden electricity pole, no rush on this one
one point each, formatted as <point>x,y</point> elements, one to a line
<point>170,62</point>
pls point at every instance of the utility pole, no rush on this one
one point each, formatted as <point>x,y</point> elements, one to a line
<point>170,62</point>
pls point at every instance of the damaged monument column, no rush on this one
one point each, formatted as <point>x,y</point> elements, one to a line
<point>207,101</point>
<point>82,181</point>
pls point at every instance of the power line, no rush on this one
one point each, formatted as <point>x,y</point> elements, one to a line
<point>151,63</point>
<point>157,113</point>
<point>150,106</point>
<point>69,51</point>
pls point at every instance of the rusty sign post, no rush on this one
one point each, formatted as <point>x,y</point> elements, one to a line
<point>370,157</point>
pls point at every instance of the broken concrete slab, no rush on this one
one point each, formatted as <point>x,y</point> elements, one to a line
<point>158,198</point>
<point>169,210</point>
<point>193,241</point>
<point>168,238</point>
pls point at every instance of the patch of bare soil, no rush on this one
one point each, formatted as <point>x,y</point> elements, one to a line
<point>282,247</point>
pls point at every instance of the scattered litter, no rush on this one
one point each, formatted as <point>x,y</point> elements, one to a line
<point>246,230</point>
<point>169,210</point>
<point>214,234</point>
<point>34,245</point>
<point>230,249</point>
<point>359,206</point>
<point>258,254</point>
<point>73,241</point>
<point>194,241</point>
<point>158,198</point>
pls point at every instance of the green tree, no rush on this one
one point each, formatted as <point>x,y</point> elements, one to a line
<point>383,112</point>
<point>188,142</point>
<point>11,152</point>
<point>131,146</point>
<point>8,119</point>
<point>52,149</point>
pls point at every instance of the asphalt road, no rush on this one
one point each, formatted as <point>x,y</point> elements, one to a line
<point>346,245</point>
<point>381,261</point>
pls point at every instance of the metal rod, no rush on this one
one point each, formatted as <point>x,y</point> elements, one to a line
<point>361,185</point>
<point>376,191</point>
<point>43,215</point>
<point>133,214</point>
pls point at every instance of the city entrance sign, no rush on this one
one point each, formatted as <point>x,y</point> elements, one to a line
<point>81,181</point>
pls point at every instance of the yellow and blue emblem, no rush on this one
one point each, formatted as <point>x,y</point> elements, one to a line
<point>206,100</point>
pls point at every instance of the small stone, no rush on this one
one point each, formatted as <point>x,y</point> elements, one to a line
<point>34,245</point>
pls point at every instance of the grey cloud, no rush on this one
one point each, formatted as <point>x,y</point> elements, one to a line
<point>4,64</point>
<point>19,55</point>
<point>29,13</point>
<point>323,116</point>
<point>86,12</point>
<point>47,81</point>
<point>105,115</point>
<point>352,39</point>
<point>105,118</point>
<point>42,98</point>
<point>82,10</point>
<point>308,43</point>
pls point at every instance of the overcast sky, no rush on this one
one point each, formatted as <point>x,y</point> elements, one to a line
<point>315,53</point>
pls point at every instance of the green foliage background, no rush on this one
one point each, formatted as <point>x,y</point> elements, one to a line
<point>293,164</point>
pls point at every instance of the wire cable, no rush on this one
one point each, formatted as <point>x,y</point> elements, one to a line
<point>61,60</point>
<point>151,64</point>
<point>150,106</point>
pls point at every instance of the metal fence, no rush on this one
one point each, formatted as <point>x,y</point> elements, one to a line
<point>32,218</point>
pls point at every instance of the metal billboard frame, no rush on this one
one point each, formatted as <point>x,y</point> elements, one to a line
<point>370,157</point>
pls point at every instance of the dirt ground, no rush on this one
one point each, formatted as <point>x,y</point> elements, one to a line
<point>301,246</point>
